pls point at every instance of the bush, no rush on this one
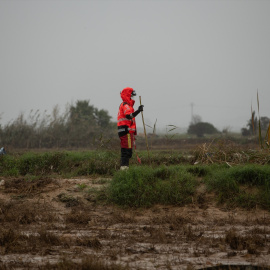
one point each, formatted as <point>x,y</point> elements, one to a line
<point>145,186</point>
<point>229,185</point>
<point>251,174</point>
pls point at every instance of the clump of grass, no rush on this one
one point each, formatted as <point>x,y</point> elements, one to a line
<point>251,174</point>
<point>199,170</point>
<point>60,163</point>
<point>233,185</point>
<point>68,199</point>
<point>44,163</point>
<point>9,166</point>
<point>89,163</point>
<point>145,186</point>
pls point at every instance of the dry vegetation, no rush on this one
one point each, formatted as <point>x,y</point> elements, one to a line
<point>59,224</point>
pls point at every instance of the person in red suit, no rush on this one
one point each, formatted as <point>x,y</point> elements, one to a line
<point>127,125</point>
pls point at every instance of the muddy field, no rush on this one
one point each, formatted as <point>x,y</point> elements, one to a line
<point>51,222</point>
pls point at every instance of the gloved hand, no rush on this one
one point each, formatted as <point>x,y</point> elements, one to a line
<point>140,109</point>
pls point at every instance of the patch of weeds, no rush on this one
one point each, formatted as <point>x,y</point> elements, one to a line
<point>145,186</point>
<point>94,162</point>
<point>246,200</point>
<point>199,170</point>
<point>241,186</point>
<point>8,166</point>
<point>178,189</point>
<point>251,174</point>
<point>81,187</point>
<point>40,164</point>
<point>96,195</point>
<point>69,200</point>
<point>162,172</point>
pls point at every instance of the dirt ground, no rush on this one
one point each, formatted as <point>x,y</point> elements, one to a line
<point>49,220</point>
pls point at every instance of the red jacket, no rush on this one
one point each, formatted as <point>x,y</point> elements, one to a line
<point>125,125</point>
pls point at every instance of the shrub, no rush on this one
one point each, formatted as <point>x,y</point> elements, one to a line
<point>251,174</point>
<point>144,186</point>
<point>227,182</point>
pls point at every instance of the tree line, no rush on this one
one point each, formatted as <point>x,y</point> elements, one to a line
<point>83,125</point>
<point>79,126</point>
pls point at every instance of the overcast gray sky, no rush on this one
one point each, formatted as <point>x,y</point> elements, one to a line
<point>214,54</point>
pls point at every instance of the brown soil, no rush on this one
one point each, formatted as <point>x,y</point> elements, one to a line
<point>51,220</point>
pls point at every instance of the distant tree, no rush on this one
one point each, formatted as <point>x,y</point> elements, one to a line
<point>201,128</point>
<point>86,121</point>
<point>265,122</point>
<point>253,125</point>
<point>102,118</point>
<point>82,113</point>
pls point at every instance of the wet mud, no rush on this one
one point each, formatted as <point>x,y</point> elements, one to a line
<point>49,221</point>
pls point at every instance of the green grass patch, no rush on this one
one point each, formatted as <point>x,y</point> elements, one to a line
<point>67,164</point>
<point>241,186</point>
<point>145,186</point>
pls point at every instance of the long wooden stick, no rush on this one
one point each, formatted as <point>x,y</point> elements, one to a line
<point>145,131</point>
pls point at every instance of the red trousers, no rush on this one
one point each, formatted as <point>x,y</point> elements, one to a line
<point>127,141</point>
